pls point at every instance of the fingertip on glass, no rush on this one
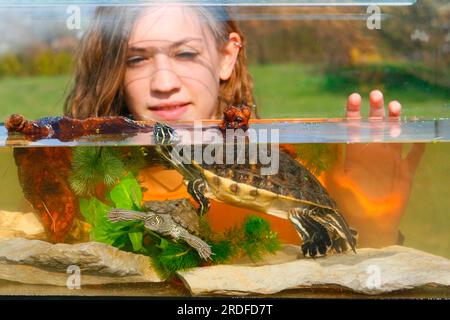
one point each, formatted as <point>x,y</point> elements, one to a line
<point>376,99</point>
<point>354,102</point>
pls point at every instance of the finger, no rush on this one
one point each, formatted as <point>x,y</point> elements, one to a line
<point>353,130</point>
<point>395,109</point>
<point>377,126</point>
<point>376,104</point>
<point>353,114</point>
<point>376,114</point>
<point>353,109</point>
<point>414,156</point>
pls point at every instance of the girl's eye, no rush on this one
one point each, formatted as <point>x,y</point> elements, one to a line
<point>134,61</point>
<point>186,54</point>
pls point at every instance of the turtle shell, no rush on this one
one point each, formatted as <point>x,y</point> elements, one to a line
<point>181,211</point>
<point>291,186</point>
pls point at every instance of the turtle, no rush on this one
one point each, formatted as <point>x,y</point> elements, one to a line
<point>175,218</point>
<point>293,193</point>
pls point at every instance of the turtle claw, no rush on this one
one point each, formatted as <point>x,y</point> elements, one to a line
<point>205,252</point>
<point>341,245</point>
<point>317,246</point>
<point>316,240</point>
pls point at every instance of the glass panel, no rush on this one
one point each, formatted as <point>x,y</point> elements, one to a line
<point>347,147</point>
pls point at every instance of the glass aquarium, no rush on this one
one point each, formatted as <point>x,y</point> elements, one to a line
<point>225,148</point>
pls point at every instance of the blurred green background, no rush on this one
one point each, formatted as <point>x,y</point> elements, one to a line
<point>281,90</point>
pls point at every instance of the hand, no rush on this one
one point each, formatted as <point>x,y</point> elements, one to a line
<point>371,183</point>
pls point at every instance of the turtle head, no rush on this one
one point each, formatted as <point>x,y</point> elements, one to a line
<point>154,222</point>
<point>163,134</point>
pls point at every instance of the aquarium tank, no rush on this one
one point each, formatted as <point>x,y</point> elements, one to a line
<point>206,148</point>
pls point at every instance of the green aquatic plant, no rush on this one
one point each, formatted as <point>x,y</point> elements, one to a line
<point>258,238</point>
<point>93,166</point>
<point>175,256</point>
<point>223,250</point>
<point>253,238</point>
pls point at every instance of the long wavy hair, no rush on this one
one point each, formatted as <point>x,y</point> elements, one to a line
<point>98,88</point>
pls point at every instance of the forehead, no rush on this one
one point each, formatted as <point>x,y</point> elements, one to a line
<point>167,24</point>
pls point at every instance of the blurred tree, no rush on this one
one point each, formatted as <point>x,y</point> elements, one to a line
<point>420,34</point>
<point>10,65</point>
<point>49,62</point>
<point>309,35</point>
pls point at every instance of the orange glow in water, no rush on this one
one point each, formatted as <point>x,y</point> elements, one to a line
<point>371,206</point>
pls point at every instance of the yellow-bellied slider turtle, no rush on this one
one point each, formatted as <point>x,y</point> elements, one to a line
<point>292,193</point>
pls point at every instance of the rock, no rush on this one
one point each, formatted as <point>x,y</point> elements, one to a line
<point>19,224</point>
<point>370,271</point>
<point>39,262</point>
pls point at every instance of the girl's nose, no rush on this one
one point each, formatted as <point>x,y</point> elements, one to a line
<point>164,78</point>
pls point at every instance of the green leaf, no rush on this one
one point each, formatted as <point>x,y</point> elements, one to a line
<point>94,211</point>
<point>127,194</point>
<point>136,240</point>
<point>164,243</point>
<point>103,230</point>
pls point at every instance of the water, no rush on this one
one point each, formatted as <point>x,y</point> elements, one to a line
<point>287,131</point>
<point>389,179</point>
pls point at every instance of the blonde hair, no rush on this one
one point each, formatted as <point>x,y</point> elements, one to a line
<point>101,62</point>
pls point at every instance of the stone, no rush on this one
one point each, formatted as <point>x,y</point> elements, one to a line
<point>39,262</point>
<point>20,224</point>
<point>370,271</point>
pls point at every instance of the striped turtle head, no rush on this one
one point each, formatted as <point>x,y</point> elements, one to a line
<point>163,134</point>
<point>154,222</point>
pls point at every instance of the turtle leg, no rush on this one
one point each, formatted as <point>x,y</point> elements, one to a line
<point>196,189</point>
<point>203,249</point>
<point>116,215</point>
<point>316,240</point>
<point>342,245</point>
<point>322,230</point>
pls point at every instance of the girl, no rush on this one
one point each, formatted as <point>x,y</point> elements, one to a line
<point>173,62</point>
<point>160,63</point>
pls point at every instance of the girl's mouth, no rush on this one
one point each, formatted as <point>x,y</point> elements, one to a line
<point>172,111</point>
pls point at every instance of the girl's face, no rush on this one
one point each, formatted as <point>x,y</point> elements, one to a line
<point>173,67</point>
